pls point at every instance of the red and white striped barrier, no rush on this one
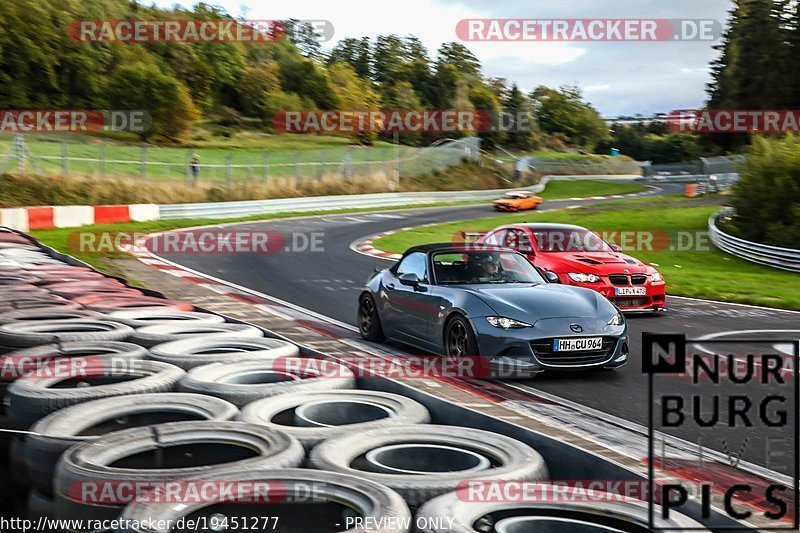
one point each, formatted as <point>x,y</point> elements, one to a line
<point>70,216</point>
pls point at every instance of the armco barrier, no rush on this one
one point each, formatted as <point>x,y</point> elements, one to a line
<point>773,256</point>
<point>46,217</point>
<point>334,203</point>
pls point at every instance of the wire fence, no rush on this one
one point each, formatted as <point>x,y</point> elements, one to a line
<point>227,167</point>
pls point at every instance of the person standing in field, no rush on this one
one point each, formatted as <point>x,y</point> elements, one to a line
<point>195,166</point>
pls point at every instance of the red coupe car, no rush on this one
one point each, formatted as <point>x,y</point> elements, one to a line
<point>578,256</point>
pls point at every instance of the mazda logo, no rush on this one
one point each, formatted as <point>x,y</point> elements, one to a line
<point>576,328</point>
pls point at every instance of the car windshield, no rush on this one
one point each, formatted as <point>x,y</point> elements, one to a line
<point>569,240</point>
<point>465,268</point>
<point>515,195</point>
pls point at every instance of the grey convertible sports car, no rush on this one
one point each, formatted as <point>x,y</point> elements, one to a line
<point>491,302</point>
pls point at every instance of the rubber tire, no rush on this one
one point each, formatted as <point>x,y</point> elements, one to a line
<point>142,302</point>
<point>28,400</point>
<point>40,505</point>
<point>368,499</point>
<point>89,462</point>
<point>515,460</point>
<point>406,411</point>
<point>375,332</point>
<point>17,467</point>
<point>464,512</point>
<point>471,348</point>
<point>160,333</point>
<point>37,303</point>
<point>207,379</point>
<point>57,432</point>
<point>37,315</point>
<point>24,334</point>
<point>189,353</point>
<point>148,317</point>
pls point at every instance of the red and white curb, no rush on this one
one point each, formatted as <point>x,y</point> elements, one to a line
<point>70,216</point>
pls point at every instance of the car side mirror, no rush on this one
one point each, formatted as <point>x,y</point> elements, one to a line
<point>551,276</point>
<point>410,279</point>
<point>616,248</point>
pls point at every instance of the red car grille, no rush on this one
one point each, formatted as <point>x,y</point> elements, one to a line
<point>631,301</point>
<point>624,279</point>
<point>618,279</point>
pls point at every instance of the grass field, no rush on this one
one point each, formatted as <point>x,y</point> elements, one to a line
<point>699,271</point>
<point>583,188</point>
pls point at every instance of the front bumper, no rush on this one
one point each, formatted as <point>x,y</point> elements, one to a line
<point>516,353</point>
<point>506,207</point>
<point>654,299</point>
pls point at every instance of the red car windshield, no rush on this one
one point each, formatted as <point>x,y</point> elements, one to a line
<point>570,240</point>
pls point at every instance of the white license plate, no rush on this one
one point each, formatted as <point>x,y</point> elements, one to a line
<point>630,291</point>
<point>578,345</point>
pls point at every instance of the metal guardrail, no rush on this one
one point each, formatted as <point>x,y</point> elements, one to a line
<point>763,254</point>
<point>339,202</point>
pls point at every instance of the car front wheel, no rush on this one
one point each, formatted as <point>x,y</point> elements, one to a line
<point>369,323</point>
<point>459,340</point>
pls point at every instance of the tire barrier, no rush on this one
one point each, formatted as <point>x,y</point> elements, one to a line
<point>57,432</point>
<point>423,461</point>
<point>161,333</point>
<point>247,381</point>
<point>373,454</point>
<point>146,317</point>
<point>161,453</point>
<point>30,399</point>
<point>585,512</point>
<point>334,496</point>
<point>190,353</point>
<point>312,417</point>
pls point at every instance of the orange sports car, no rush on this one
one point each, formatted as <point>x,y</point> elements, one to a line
<point>517,201</point>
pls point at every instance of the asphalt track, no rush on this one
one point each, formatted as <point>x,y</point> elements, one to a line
<point>328,282</point>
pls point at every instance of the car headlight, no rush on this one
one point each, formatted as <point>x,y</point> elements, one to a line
<point>656,276</point>
<point>616,320</point>
<point>584,278</point>
<point>506,323</point>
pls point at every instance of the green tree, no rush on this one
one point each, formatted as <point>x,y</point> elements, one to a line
<point>161,94</point>
<point>562,111</point>
<point>517,109</point>
<point>484,99</point>
<point>770,177</point>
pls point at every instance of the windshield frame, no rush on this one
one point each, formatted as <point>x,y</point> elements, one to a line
<point>537,240</point>
<point>538,278</point>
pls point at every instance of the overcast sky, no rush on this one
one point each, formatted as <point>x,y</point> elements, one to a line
<point>618,78</point>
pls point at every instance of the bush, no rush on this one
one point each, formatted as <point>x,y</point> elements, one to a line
<point>767,197</point>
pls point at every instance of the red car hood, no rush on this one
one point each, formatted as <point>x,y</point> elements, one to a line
<point>597,262</point>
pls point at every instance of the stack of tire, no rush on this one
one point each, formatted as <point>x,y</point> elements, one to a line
<point>157,392</point>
